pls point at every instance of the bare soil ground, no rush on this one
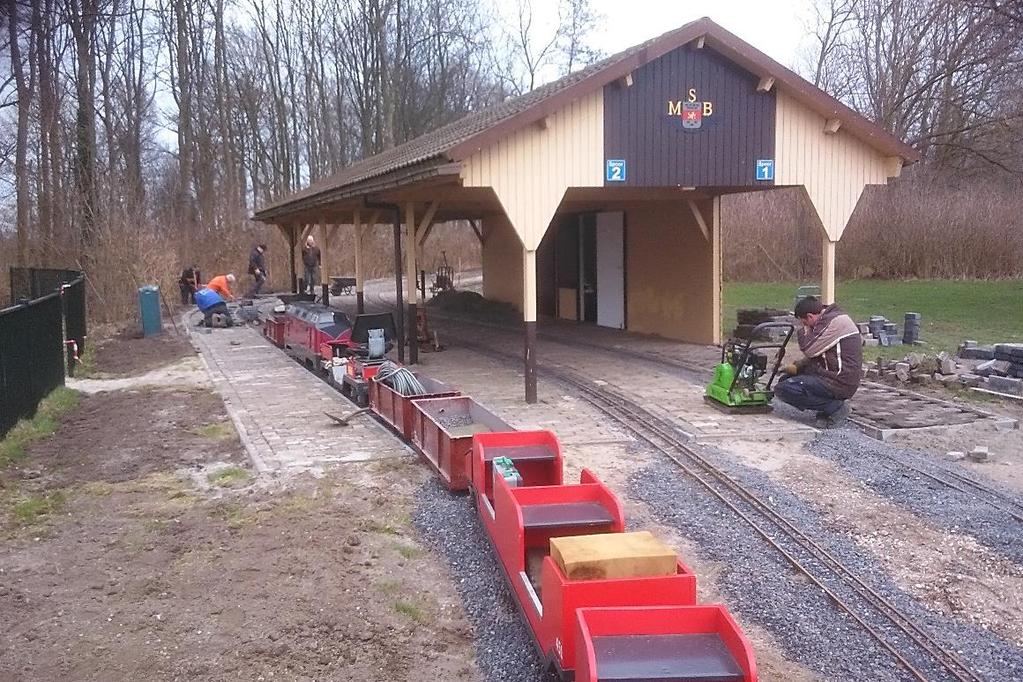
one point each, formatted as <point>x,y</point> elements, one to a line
<point>136,544</point>
<point>126,352</point>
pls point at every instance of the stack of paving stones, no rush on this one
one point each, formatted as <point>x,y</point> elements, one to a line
<point>911,329</point>
<point>881,332</point>
<point>997,368</point>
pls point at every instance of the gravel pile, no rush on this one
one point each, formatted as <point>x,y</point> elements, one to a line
<point>878,465</point>
<point>504,646</point>
<point>451,421</point>
<point>761,586</point>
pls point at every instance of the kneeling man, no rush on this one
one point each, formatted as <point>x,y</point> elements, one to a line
<point>831,370</point>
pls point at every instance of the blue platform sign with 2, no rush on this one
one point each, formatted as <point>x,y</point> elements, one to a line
<point>765,169</point>
<point>616,170</point>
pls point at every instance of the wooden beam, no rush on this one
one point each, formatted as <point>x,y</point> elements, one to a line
<point>832,125</point>
<point>893,166</point>
<point>625,81</point>
<point>541,123</point>
<point>475,228</point>
<point>765,84</point>
<point>699,42</point>
<point>699,219</point>
<point>426,222</point>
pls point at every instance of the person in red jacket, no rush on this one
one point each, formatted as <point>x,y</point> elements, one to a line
<point>831,369</point>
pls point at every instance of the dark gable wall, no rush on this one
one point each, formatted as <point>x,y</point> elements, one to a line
<point>657,149</point>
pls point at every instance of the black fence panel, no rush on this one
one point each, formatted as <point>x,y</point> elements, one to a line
<point>31,356</point>
<point>33,283</point>
<point>74,313</point>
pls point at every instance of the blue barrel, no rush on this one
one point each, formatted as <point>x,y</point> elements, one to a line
<point>149,310</point>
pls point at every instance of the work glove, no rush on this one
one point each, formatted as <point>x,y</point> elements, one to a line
<point>790,369</point>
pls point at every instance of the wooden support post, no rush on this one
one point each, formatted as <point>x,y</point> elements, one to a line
<point>716,268</point>
<point>529,317</point>
<point>828,271</point>
<point>324,262</point>
<point>292,234</point>
<point>360,300</point>
<point>411,290</point>
<point>397,286</point>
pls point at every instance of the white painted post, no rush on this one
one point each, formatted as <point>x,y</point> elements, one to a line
<point>828,271</point>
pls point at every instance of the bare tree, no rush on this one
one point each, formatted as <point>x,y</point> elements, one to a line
<point>25,84</point>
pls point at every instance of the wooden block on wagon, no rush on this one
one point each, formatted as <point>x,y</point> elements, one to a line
<point>613,555</point>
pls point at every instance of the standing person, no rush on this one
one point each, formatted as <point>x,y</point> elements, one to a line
<point>222,285</point>
<point>831,370</point>
<point>188,284</point>
<point>311,261</point>
<point>257,268</point>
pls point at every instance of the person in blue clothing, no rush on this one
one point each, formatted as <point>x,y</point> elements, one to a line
<point>209,303</point>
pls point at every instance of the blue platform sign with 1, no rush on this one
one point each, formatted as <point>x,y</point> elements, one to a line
<point>765,169</point>
<point>616,171</point>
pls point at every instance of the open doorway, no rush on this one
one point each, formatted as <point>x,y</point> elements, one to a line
<point>582,269</point>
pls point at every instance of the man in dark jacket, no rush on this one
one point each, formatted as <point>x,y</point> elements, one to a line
<point>311,261</point>
<point>257,268</point>
<point>831,369</point>
<point>188,283</point>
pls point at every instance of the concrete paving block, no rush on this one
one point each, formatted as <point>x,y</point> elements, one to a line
<point>971,380</point>
<point>1009,385</point>
<point>902,371</point>
<point>979,454</point>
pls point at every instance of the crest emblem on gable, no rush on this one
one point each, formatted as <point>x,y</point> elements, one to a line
<point>691,110</point>
<point>692,115</point>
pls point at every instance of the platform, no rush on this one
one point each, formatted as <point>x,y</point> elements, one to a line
<point>277,405</point>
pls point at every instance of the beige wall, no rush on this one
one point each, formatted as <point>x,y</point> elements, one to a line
<point>671,278</point>
<point>531,169</point>
<point>502,263</point>
<point>834,167</point>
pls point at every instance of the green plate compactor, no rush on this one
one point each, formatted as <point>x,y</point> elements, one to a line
<point>739,383</point>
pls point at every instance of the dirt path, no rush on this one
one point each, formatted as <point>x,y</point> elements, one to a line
<point>136,543</point>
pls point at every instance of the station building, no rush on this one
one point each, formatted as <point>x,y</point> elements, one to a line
<point>597,197</point>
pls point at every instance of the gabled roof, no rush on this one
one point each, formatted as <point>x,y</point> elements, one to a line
<point>456,141</point>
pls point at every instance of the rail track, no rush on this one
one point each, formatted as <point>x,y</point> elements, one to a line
<point>951,479</point>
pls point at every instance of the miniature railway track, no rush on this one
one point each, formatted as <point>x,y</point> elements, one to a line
<point>951,479</point>
<point>966,485</point>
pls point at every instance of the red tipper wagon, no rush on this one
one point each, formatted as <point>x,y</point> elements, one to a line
<point>442,430</point>
<point>396,409</point>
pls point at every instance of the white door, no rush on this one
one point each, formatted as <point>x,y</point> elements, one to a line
<point>611,270</point>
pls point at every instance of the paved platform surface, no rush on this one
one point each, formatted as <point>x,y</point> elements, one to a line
<point>278,406</point>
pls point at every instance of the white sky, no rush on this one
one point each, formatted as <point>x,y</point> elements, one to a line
<point>776,27</point>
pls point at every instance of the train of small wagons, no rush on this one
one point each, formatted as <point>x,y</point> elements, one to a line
<point>602,604</point>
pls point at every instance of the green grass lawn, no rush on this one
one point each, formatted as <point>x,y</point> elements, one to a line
<point>988,312</point>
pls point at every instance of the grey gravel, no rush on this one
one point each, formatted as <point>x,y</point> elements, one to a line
<point>504,646</point>
<point>451,421</point>
<point>759,585</point>
<point>881,467</point>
